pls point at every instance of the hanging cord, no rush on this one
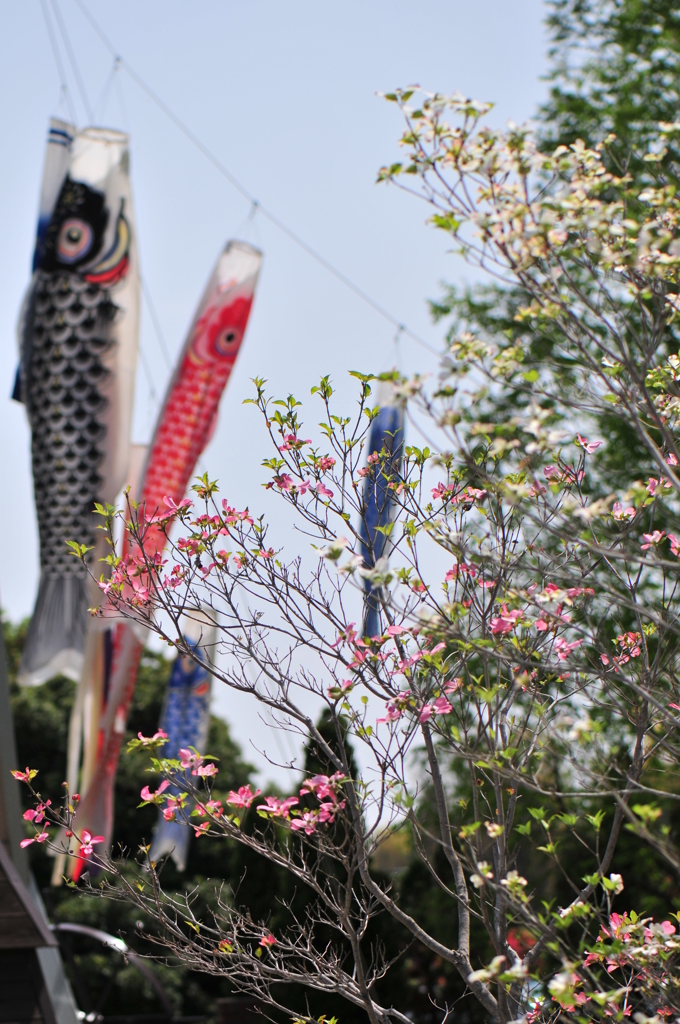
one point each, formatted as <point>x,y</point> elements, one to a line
<point>243,230</point>
<point>156,323</point>
<point>121,98</point>
<point>148,375</point>
<point>57,60</point>
<point>235,183</point>
<point>397,347</point>
<point>72,60</point>
<point>102,103</point>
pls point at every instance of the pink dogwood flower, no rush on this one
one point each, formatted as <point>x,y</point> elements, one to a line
<point>149,797</point>
<point>180,506</point>
<point>506,621</point>
<point>284,481</point>
<point>321,785</point>
<point>306,821</point>
<point>587,446</point>
<point>291,442</point>
<point>243,798</point>
<point>189,759</point>
<point>652,539</point>
<point>619,512</point>
<point>87,843</point>
<point>564,649</point>
<point>36,839</point>
<point>277,808</point>
<point>158,737</point>
<point>392,713</point>
<point>37,815</point>
<point>442,706</point>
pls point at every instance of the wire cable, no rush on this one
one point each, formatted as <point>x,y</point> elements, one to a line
<point>236,184</point>
<point>57,60</point>
<point>148,374</point>
<point>72,60</point>
<point>156,323</point>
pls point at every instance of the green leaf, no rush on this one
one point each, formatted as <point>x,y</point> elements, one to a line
<point>537,812</point>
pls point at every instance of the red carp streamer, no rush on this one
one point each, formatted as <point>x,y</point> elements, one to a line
<point>184,427</point>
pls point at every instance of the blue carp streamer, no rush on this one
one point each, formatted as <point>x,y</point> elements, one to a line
<point>186,720</point>
<point>386,435</point>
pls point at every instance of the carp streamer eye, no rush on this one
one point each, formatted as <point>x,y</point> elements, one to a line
<point>75,240</point>
<point>226,339</point>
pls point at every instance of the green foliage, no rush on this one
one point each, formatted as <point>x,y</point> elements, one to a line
<point>102,979</point>
<point>615,69</point>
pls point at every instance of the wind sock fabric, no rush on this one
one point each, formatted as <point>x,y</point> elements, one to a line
<point>78,334</point>
<point>185,425</point>
<point>387,433</point>
<point>186,720</point>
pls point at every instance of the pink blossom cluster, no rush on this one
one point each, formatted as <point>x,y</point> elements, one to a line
<point>620,513</point>
<point>448,493</point>
<point>565,475</point>
<point>629,645</point>
<point>587,446</point>
<point>630,942</point>
<point>287,485</point>
<point>656,486</point>
<point>363,649</point>
<point>131,577</point>
<point>193,760</point>
<point>170,511</point>
<point>406,701</point>
<point>323,787</point>
<point>506,621</point>
<point>460,567</point>
<point>292,443</point>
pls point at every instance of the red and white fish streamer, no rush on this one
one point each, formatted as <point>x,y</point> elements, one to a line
<point>184,427</point>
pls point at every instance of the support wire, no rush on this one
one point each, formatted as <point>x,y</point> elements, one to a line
<point>72,60</point>
<point>236,184</point>
<point>57,60</point>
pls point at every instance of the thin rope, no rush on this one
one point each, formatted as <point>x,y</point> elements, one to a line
<point>121,97</point>
<point>148,374</point>
<point>235,183</point>
<point>102,103</point>
<point>72,60</point>
<point>397,348</point>
<point>57,60</point>
<point>156,323</point>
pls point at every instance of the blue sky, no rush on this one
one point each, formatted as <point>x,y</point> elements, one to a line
<point>285,95</point>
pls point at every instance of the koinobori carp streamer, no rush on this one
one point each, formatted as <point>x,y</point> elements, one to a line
<point>78,335</point>
<point>184,427</point>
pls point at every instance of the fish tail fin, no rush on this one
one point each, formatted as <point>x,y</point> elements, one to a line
<point>95,815</point>
<point>371,614</point>
<point>56,634</point>
<point>171,837</point>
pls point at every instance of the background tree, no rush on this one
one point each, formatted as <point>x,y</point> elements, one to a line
<point>103,981</point>
<point>541,665</point>
<point>530,369</point>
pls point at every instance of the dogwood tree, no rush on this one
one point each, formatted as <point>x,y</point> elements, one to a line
<point>518,708</point>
